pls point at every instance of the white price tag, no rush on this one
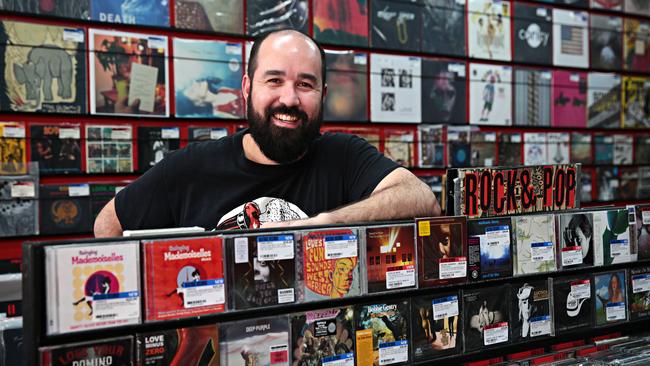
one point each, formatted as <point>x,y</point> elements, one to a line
<point>360,59</point>
<point>157,42</point>
<point>23,190</point>
<point>285,295</point>
<point>495,333</point>
<point>639,47</point>
<point>645,217</point>
<point>17,132</point>
<point>79,190</point>
<point>455,267</point>
<point>496,237</point>
<point>581,289</point>
<point>217,133</point>
<point>233,48</point>
<point>74,35</point>
<point>541,251</point>
<point>516,139</point>
<point>116,306</point>
<point>70,133</point>
<point>170,133</point>
<point>574,78</point>
<point>445,307</point>
<point>203,293</point>
<point>457,68</point>
<point>344,359</point>
<point>541,12</point>
<point>341,246</point>
<point>393,352</point>
<point>615,311</point>
<point>120,134</point>
<point>540,325</point>
<point>241,250</point>
<point>640,283</point>
<point>571,256</point>
<point>276,247</point>
<point>119,188</point>
<point>400,277</point>
<point>618,248</point>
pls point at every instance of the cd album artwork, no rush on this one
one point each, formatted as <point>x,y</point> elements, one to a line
<point>558,147</point>
<point>18,215</point>
<point>585,185</point>
<point>261,341</point>
<point>581,148</point>
<point>267,15</point>
<point>534,244</point>
<point>395,25</point>
<point>604,100</point>
<point>443,27</point>
<point>489,248</point>
<point>639,293</point>
<point>606,42</point>
<point>109,149</point>
<point>13,150</point>
<point>641,7</point>
<point>509,149</point>
<point>383,333</point>
<point>611,297</point>
<point>431,147</point>
<point>623,149</point>
<point>78,9</point>
<point>532,97</point>
<point>483,148</point>
<point>128,74</point>
<point>44,68</point>
<point>636,43</point>
<point>636,101</point>
<point>181,346</point>
<point>535,148</point>
<point>485,317</point>
<point>395,88</point>
<point>612,242</point>
<point>442,253</point>
<point>154,144</point>
<point>641,149</point>
<point>570,38</point>
<point>64,209</point>
<point>436,326</point>
<point>641,231</point>
<point>390,257</point>
<point>490,94</point>
<point>569,99</point>
<point>576,231</point>
<point>321,337</point>
<point>341,22</point>
<point>118,350</point>
<point>347,85</point>
<point>532,37</point>
<point>489,29</point>
<point>222,16</point>
<point>530,310</point>
<point>207,79</point>
<point>56,148</point>
<point>616,5</point>
<point>141,12</point>
<point>603,149</point>
<point>458,146</point>
<point>399,146</point>
<point>444,97</point>
<point>572,303</point>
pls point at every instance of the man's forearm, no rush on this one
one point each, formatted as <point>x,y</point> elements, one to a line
<point>107,224</point>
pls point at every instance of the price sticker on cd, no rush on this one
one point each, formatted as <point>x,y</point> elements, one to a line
<point>542,251</point>
<point>23,190</point>
<point>455,267</point>
<point>495,333</point>
<point>571,256</point>
<point>241,250</point>
<point>615,311</point>
<point>203,293</point>
<point>69,133</point>
<point>344,359</point>
<point>341,246</point>
<point>445,307</point>
<point>79,190</point>
<point>17,132</point>
<point>217,133</point>
<point>640,283</point>
<point>398,277</point>
<point>286,295</point>
<point>279,354</point>
<point>116,306</point>
<point>73,35</point>
<point>120,134</point>
<point>497,236</point>
<point>540,325</point>
<point>645,217</point>
<point>619,248</point>
<point>581,289</point>
<point>170,133</point>
<point>393,352</point>
<point>275,247</point>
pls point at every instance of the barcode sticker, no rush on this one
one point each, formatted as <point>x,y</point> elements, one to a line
<point>73,35</point>
<point>17,132</point>
<point>79,190</point>
<point>393,352</point>
<point>276,247</point>
<point>615,311</point>
<point>120,134</point>
<point>286,295</point>
<point>116,306</point>
<point>645,217</point>
<point>619,248</point>
<point>69,133</point>
<point>170,132</point>
<point>217,133</point>
<point>540,325</point>
<point>23,190</point>
<point>360,59</point>
<point>571,256</point>
<point>343,359</point>
<point>203,293</point>
<point>400,277</point>
<point>341,246</point>
<point>541,251</point>
<point>581,289</point>
<point>640,283</point>
<point>455,267</point>
<point>241,250</point>
<point>445,307</point>
<point>495,333</point>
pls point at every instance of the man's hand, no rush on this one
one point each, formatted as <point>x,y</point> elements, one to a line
<point>122,106</point>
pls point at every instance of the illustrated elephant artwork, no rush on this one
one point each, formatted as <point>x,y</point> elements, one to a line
<point>44,64</point>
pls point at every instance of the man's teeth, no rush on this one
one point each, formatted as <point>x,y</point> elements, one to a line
<point>285,117</point>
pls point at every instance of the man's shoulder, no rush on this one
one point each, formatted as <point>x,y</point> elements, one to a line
<point>198,152</point>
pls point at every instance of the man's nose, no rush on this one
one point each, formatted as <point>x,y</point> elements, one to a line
<point>289,96</point>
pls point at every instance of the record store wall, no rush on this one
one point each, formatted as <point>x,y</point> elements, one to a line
<point>431,83</point>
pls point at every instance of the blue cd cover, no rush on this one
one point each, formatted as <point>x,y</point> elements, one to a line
<point>147,12</point>
<point>489,240</point>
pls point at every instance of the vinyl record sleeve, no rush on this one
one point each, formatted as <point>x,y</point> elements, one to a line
<point>569,99</point>
<point>606,37</point>
<point>581,148</point>
<point>603,149</point>
<point>206,133</point>
<point>635,45</point>
<point>489,248</point>
<point>431,146</point>
<point>125,67</point>
<point>390,257</point>
<point>628,185</point>
<point>183,277</point>
<point>576,239</point>
<point>263,341</point>
<point>207,79</point>
<point>13,150</point>
<point>572,303</point>
<point>265,16</point>
<point>436,326</point>
<point>483,148</point>
<point>485,317</point>
<point>113,351</point>
<point>95,286</point>
<point>140,12</point>
<point>101,194</point>
<point>154,144</point>
<point>532,97</point>
<point>395,88</point>
<point>639,7</point>
<point>583,4</point>
<point>78,9</point>
<point>443,27</point>
<point>531,311</point>
<point>329,264</point>
<point>399,146</point>
<point>263,273</point>
<point>383,334</point>
<point>488,27</point>
<point>613,5</point>
<point>608,183</point>
<point>636,91</point>
<point>371,134</point>
<point>509,149</point>
<point>56,148</point>
<point>535,148</point>
<point>639,292</point>
<point>612,242</point>
<point>532,33</point>
<point>570,38</point>
<point>222,16</point>
<point>604,100</point>
<point>181,346</point>
<point>395,25</point>
<point>18,214</point>
<point>65,209</point>
<point>610,298</point>
<point>586,186</point>
<point>623,149</point>
<point>534,244</point>
<point>639,221</point>
<point>442,250</point>
<point>490,94</point>
<point>347,85</point>
<point>444,91</point>
<point>27,49</point>
<point>323,337</point>
<point>458,146</point>
<point>341,22</point>
<point>109,149</point>
<point>12,340</point>
<point>557,151</point>
<point>641,149</point>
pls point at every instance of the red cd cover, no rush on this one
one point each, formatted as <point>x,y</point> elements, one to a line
<point>442,250</point>
<point>390,261</point>
<point>184,277</point>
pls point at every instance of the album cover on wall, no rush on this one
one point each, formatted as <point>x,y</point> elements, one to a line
<point>490,94</point>
<point>636,92</point>
<point>442,250</point>
<point>629,185</point>
<point>603,149</point>
<point>347,85</point>
<point>128,73</point>
<point>395,88</point>
<point>435,183</point>
<point>141,12</point>
<point>436,326</point>
<point>221,16</point>
<point>531,311</point>
<point>604,100</point>
<point>443,27</point>
<point>639,220</point>
<point>390,257</point>
<point>570,38</point>
<point>181,346</point>
<point>586,186</point>
<point>640,7</point>
<point>458,146</point>
<point>399,146</point>
<point>569,99</point>
<point>615,5</point>
<point>638,288</point>
<point>488,27</point>
<point>576,239</point>
<point>535,148</point>
<point>371,134</point>
<point>623,149</point>
<point>509,149</point>
<point>206,133</point>
<point>36,58</point>
<point>78,9</point>
<point>261,340</point>
<point>383,334</point>
<point>608,183</point>
<point>65,209</point>
<point>641,149</point>
<point>532,97</point>
<point>18,205</point>
<point>263,273</point>
<point>109,149</point>
<point>13,341</point>
<point>13,150</point>
<point>532,33</point>
<point>489,245</point>
<point>606,39</point>
<point>483,148</point>
<point>101,194</point>
<point>485,317</point>
<point>265,16</point>
<point>611,298</point>
<point>95,286</point>
<point>612,242</point>
<point>444,97</point>
<point>395,25</point>
<point>533,248</point>
<point>155,143</point>
<point>431,146</point>
<point>557,148</point>
<point>56,148</point>
<point>118,350</point>
<point>341,22</point>
<point>635,45</point>
<point>207,79</point>
<point>572,303</point>
<point>584,4</point>
<point>323,337</point>
<point>581,148</point>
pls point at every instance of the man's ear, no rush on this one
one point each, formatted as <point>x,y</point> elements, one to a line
<point>245,86</point>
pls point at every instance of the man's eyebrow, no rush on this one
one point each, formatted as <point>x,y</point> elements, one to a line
<point>308,76</point>
<point>274,73</point>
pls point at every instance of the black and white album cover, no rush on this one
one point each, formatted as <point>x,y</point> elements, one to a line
<point>395,25</point>
<point>576,236</point>
<point>154,143</point>
<point>603,100</point>
<point>606,42</point>
<point>485,317</point>
<point>395,91</point>
<point>530,310</point>
<point>532,97</point>
<point>268,15</point>
<point>572,303</point>
<point>533,34</point>
<point>509,149</point>
<point>443,27</point>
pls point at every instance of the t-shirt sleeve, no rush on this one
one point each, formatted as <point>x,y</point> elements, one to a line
<point>365,168</point>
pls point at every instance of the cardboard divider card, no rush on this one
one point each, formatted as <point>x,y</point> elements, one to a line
<point>116,306</point>
<point>398,277</point>
<point>581,289</point>
<point>640,283</point>
<point>341,246</point>
<point>541,251</point>
<point>455,267</point>
<point>615,311</point>
<point>275,247</point>
<point>393,352</point>
<point>571,256</point>
<point>495,333</point>
<point>203,293</point>
<point>540,325</point>
<point>445,307</point>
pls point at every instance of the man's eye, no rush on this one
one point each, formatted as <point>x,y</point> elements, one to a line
<point>274,81</point>
<point>303,84</point>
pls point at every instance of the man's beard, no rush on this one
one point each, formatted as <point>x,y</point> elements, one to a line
<point>283,145</point>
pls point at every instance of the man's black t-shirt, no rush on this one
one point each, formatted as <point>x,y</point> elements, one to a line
<point>212,182</point>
